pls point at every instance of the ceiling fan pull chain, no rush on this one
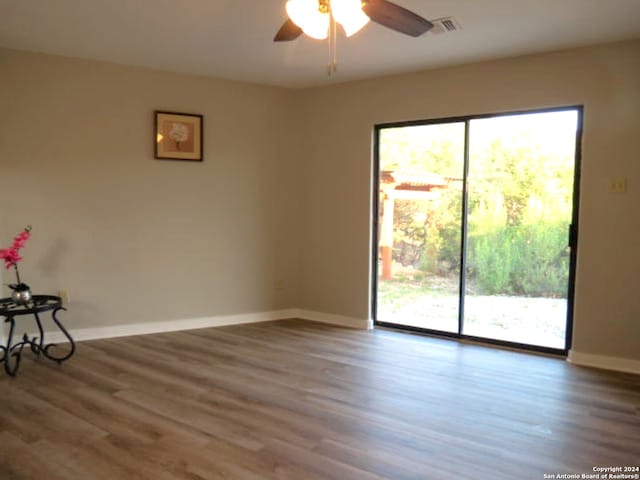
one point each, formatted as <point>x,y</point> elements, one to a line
<point>329,42</point>
<point>334,64</point>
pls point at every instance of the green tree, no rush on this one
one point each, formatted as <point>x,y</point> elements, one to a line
<point>519,190</point>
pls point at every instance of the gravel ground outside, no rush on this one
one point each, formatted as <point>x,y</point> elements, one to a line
<point>434,305</point>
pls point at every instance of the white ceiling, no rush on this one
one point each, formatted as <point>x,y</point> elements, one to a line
<point>233,38</point>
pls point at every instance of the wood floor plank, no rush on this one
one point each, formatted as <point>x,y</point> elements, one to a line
<point>292,400</point>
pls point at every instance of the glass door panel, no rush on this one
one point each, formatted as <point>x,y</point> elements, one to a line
<point>520,201</point>
<point>421,171</point>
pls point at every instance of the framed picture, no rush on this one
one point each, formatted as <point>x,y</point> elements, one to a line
<point>178,136</point>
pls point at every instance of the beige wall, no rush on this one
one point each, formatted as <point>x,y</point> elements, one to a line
<point>135,239</point>
<point>337,177</point>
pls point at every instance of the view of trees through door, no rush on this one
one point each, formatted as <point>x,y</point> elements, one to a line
<point>500,268</point>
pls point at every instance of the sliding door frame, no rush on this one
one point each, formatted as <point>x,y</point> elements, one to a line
<point>572,242</point>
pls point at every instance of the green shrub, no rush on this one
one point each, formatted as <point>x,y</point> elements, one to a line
<point>530,260</point>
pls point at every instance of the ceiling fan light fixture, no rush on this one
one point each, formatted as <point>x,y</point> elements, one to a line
<point>350,15</point>
<point>307,15</point>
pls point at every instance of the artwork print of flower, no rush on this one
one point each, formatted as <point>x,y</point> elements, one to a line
<point>178,136</point>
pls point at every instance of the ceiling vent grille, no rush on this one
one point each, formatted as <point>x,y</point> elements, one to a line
<point>445,25</point>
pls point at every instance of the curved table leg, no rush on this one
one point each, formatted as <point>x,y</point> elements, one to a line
<point>8,351</point>
<point>45,350</point>
<point>37,348</point>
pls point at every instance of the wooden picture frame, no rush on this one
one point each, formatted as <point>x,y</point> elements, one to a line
<point>178,136</point>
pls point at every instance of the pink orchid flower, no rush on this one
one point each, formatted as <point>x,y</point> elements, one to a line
<point>11,256</point>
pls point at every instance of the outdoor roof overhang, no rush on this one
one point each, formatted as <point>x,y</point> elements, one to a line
<point>413,186</point>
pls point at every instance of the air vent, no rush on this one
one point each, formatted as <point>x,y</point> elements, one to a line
<point>445,25</point>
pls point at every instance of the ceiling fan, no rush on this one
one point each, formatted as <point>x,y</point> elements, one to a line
<point>315,18</point>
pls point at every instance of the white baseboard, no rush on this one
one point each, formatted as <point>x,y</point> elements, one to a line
<point>605,362</point>
<point>98,333</point>
<point>114,331</point>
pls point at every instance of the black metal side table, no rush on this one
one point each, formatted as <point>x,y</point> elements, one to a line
<point>11,353</point>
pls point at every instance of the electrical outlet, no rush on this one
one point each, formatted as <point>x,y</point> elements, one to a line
<point>64,295</point>
<point>618,185</point>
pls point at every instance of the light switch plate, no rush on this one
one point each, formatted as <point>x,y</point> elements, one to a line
<point>618,185</point>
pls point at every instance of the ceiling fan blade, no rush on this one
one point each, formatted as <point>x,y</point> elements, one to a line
<point>289,31</point>
<point>396,17</point>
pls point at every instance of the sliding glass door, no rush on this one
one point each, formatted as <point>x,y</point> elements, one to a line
<point>473,218</point>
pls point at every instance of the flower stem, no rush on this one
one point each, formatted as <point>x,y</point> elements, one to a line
<point>15,266</point>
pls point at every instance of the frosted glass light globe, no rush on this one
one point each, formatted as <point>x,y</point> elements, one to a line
<point>307,15</point>
<point>350,15</point>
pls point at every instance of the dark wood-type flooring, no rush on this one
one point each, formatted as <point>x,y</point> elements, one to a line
<point>298,400</point>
